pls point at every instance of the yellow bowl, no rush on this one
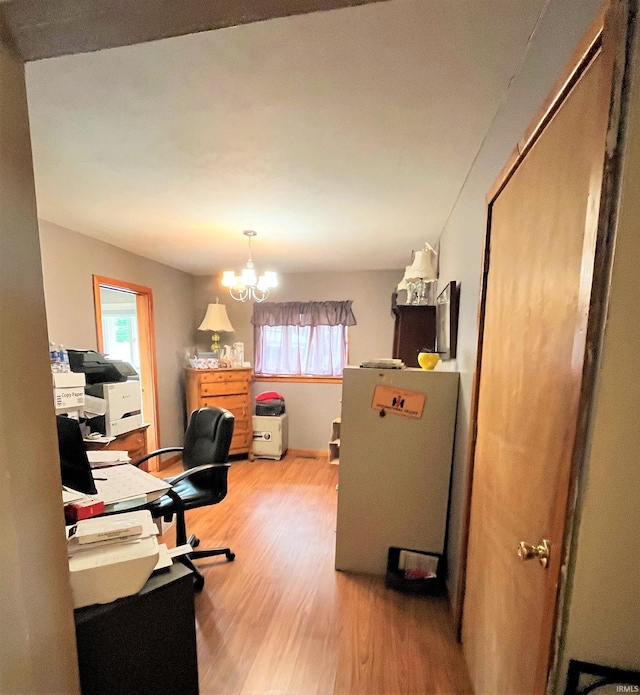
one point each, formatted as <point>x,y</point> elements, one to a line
<point>428,360</point>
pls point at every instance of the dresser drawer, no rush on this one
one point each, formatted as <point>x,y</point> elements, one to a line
<point>239,405</point>
<point>223,388</point>
<point>224,377</point>
<point>241,442</point>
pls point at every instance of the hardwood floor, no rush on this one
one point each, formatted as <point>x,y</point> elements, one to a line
<point>279,620</point>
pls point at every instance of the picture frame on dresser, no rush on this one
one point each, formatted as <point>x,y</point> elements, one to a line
<point>447,308</point>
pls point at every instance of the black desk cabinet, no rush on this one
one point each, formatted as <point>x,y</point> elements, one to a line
<point>143,644</point>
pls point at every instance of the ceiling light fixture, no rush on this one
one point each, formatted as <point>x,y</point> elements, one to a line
<point>248,285</point>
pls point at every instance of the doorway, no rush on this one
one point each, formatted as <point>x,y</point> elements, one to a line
<point>125,331</point>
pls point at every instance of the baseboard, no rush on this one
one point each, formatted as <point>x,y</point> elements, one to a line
<point>309,453</point>
<point>169,462</point>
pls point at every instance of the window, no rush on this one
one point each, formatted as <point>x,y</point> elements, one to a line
<point>301,338</point>
<point>120,326</point>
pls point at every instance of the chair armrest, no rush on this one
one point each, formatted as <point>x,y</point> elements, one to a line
<point>178,501</point>
<point>157,452</point>
<point>198,469</point>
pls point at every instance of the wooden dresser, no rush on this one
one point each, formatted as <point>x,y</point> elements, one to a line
<point>225,388</point>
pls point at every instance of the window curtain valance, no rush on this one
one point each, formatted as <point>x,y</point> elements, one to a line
<point>303,314</point>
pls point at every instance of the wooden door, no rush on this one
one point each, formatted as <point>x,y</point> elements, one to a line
<point>542,229</point>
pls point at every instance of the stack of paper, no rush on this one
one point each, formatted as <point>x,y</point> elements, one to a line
<point>94,534</point>
<point>69,495</point>
<point>109,567</point>
<point>124,482</point>
<point>98,439</point>
<point>102,459</point>
<point>384,363</point>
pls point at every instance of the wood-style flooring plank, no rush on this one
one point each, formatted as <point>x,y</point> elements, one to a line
<point>279,620</point>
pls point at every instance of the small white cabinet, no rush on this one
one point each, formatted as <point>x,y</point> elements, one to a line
<point>270,436</point>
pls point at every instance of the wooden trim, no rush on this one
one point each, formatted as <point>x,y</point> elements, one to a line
<point>295,379</point>
<point>586,49</point>
<point>147,338</point>
<point>169,462</point>
<point>97,308</point>
<point>473,431</point>
<point>309,453</point>
<point>114,284</point>
<point>504,175</point>
<point>147,345</point>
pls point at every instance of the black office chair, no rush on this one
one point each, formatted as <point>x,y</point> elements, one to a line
<point>204,481</point>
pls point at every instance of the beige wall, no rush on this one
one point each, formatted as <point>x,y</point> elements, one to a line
<point>312,407</point>
<point>603,602</point>
<point>562,26</point>
<point>37,642</point>
<point>69,260</point>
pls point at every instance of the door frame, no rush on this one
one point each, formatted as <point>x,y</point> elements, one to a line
<point>610,32</point>
<point>147,345</point>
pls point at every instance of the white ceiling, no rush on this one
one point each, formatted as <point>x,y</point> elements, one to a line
<point>341,137</point>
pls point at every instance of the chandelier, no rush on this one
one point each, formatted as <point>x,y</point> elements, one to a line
<point>248,285</point>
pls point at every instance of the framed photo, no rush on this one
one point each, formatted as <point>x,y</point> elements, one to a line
<point>583,678</point>
<point>447,304</point>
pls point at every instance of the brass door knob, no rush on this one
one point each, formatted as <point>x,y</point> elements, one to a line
<point>541,551</point>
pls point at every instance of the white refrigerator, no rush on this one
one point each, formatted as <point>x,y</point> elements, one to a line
<point>395,467</point>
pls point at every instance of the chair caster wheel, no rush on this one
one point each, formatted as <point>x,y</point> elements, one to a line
<point>198,584</point>
<point>231,556</point>
<point>195,543</point>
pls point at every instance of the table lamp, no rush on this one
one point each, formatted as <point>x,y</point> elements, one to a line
<point>216,320</point>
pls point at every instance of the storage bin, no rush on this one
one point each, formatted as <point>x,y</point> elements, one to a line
<point>395,578</point>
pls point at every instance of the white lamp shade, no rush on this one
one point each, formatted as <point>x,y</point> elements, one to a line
<point>403,282</point>
<point>271,278</point>
<point>216,319</point>
<point>422,267</point>
<point>228,278</point>
<point>249,277</point>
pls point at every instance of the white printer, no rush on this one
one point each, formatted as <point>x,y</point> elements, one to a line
<point>123,405</point>
<point>116,386</point>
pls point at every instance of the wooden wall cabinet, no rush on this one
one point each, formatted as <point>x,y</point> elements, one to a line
<point>224,388</point>
<point>414,330</point>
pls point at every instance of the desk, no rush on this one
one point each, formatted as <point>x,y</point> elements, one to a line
<point>133,442</point>
<point>143,644</point>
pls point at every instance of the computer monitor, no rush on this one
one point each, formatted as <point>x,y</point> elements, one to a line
<point>74,464</point>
